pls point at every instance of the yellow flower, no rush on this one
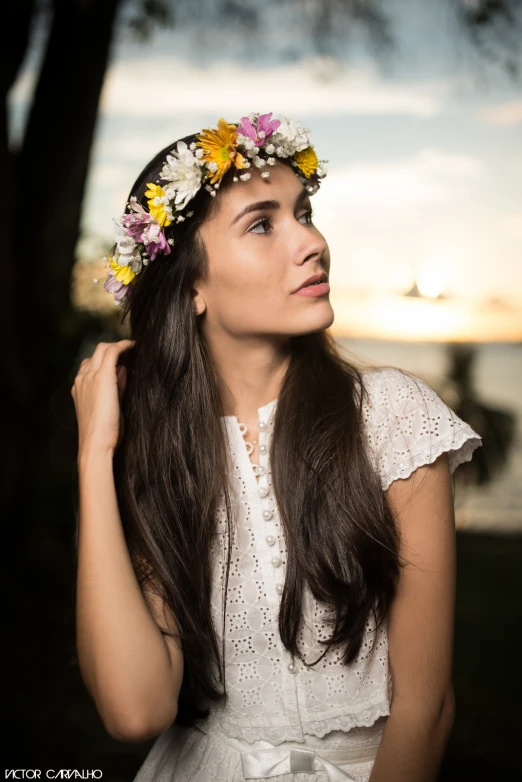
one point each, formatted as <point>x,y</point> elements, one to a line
<point>123,274</point>
<point>307,161</point>
<point>157,210</point>
<point>219,147</point>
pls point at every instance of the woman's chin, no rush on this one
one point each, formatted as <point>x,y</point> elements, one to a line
<point>319,319</point>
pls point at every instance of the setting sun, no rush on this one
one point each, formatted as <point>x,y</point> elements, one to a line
<point>430,281</point>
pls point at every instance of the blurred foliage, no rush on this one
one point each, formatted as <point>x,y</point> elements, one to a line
<point>493,28</point>
<point>150,15</point>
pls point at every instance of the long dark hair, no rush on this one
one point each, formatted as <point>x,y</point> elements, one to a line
<point>173,463</point>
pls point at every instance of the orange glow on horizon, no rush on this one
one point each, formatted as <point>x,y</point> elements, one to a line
<point>381,315</point>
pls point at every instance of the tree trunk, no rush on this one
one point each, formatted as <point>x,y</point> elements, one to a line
<point>46,193</point>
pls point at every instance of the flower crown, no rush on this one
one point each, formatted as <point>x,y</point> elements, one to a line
<point>257,140</point>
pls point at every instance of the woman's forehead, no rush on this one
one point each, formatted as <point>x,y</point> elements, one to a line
<point>282,185</point>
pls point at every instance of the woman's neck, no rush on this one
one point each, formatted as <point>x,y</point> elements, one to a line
<point>250,373</point>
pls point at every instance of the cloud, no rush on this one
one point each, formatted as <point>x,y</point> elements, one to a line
<point>377,216</point>
<point>507,114</point>
<point>431,176</point>
<point>165,86</point>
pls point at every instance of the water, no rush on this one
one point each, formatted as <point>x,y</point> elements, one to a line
<point>497,375</point>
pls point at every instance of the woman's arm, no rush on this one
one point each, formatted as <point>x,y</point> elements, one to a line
<point>130,669</point>
<point>421,629</point>
<point>132,672</point>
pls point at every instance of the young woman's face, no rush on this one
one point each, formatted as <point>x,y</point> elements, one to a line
<point>262,245</point>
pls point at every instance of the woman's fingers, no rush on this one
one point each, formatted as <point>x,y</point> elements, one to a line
<point>96,399</point>
<point>111,351</point>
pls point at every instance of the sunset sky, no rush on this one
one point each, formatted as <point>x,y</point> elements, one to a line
<point>425,155</point>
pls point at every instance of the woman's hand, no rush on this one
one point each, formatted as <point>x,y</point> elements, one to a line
<point>97,392</point>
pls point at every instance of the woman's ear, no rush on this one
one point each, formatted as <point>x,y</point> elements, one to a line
<point>199,302</point>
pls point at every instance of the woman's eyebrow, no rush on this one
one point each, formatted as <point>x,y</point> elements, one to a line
<point>258,206</point>
<point>255,207</point>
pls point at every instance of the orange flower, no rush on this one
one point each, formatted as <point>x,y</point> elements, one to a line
<point>219,147</point>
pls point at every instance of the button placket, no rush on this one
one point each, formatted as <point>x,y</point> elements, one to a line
<point>264,493</point>
<point>268,513</point>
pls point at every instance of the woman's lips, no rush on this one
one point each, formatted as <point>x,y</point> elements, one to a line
<point>313,290</point>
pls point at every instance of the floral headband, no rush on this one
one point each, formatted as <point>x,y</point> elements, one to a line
<point>257,140</point>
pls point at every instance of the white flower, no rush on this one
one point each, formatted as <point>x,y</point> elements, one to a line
<point>259,162</point>
<point>269,149</point>
<point>127,248</point>
<point>183,170</point>
<point>134,261</point>
<point>136,264</point>
<point>290,138</point>
<point>247,146</point>
<point>244,177</point>
<point>322,170</point>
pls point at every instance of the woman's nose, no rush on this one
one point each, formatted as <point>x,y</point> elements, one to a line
<point>315,246</point>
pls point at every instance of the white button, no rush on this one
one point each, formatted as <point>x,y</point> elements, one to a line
<point>267,515</point>
<point>262,491</point>
<point>263,449</point>
<point>279,588</point>
<point>270,540</point>
<point>262,426</point>
<point>276,561</point>
<point>260,470</point>
<point>292,667</point>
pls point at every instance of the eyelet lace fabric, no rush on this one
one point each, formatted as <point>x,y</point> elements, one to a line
<point>274,700</point>
<point>408,425</point>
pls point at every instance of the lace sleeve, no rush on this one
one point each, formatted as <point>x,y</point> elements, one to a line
<point>408,425</point>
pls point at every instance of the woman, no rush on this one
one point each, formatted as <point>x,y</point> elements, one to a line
<point>266,551</point>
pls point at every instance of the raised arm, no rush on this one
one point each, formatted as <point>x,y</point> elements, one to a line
<point>132,672</point>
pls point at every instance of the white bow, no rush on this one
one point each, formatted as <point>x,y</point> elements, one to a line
<point>271,762</point>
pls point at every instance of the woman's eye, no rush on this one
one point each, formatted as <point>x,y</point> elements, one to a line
<point>264,223</point>
<point>308,215</point>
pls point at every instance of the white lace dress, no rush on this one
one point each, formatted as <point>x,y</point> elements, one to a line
<point>283,721</point>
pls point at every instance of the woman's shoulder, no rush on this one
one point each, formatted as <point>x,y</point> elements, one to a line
<point>382,380</point>
<point>390,391</point>
<point>407,424</point>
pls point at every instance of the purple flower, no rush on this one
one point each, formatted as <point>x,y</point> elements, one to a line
<point>154,240</point>
<point>136,221</point>
<point>267,125</point>
<point>145,229</point>
<point>265,128</point>
<point>112,285</point>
